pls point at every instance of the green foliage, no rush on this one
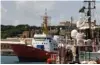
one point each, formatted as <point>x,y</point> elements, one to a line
<point>13,31</point>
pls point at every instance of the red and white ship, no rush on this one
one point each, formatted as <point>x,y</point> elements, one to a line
<point>43,45</point>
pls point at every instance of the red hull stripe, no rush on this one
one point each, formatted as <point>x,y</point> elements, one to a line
<point>30,53</point>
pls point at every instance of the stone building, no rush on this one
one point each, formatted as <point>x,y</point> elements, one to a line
<point>66,28</point>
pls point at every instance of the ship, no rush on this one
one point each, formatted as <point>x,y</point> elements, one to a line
<point>43,46</point>
<point>87,36</point>
<point>84,42</point>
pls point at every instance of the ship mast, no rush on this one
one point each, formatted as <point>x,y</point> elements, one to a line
<point>88,13</point>
<point>45,23</point>
<point>90,36</point>
<point>91,6</point>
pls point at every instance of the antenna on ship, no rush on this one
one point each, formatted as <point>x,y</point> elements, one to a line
<point>71,26</point>
<point>45,11</point>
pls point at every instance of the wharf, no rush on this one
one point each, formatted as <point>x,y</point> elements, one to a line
<point>7,52</point>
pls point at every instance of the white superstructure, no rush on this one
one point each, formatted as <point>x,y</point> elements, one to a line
<point>44,42</point>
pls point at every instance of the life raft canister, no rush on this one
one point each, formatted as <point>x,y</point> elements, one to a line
<point>98,61</point>
<point>49,61</point>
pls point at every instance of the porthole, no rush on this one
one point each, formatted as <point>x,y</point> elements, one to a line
<point>49,40</point>
<point>55,49</point>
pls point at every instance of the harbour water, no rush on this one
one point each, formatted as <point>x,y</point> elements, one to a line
<point>14,60</point>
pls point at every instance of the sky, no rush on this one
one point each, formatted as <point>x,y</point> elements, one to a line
<point>32,12</point>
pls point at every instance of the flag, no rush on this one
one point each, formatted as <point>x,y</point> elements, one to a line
<point>82,9</point>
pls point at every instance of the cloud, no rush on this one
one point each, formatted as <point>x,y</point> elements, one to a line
<point>3,11</point>
<point>35,6</point>
<point>31,12</point>
<point>16,22</point>
<point>97,12</point>
<point>19,3</point>
<point>40,6</point>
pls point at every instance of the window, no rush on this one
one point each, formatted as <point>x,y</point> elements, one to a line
<point>55,49</point>
<point>49,40</point>
<point>40,38</point>
<point>44,43</point>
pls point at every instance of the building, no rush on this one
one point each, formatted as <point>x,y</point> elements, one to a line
<point>28,34</point>
<point>66,28</point>
<point>6,47</point>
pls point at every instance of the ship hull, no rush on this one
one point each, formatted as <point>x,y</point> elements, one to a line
<point>30,54</point>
